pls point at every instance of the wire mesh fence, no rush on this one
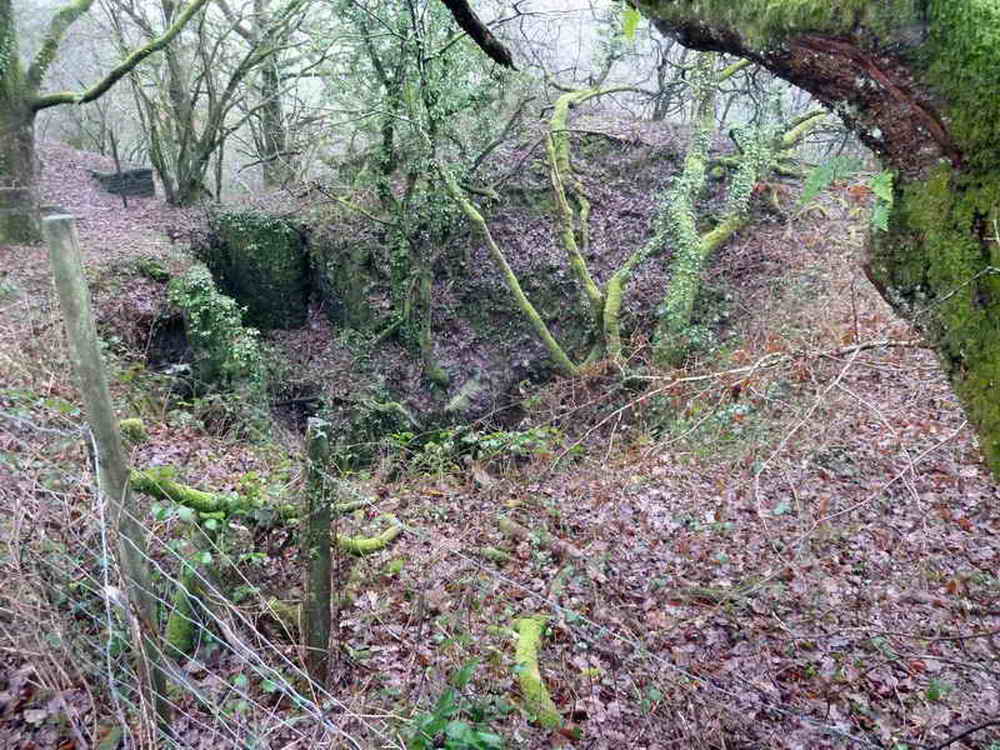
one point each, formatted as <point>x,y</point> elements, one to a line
<point>424,639</point>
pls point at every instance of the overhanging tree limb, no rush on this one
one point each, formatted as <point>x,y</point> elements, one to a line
<point>65,17</point>
<point>476,29</point>
<point>120,70</point>
<point>909,79</point>
<point>556,352</point>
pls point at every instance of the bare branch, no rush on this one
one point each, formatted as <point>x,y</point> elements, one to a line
<point>65,17</point>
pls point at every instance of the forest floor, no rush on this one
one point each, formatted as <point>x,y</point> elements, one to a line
<point>790,543</point>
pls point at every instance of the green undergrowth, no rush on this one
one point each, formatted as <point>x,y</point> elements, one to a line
<point>458,720</point>
<point>443,451</point>
<point>718,426</point>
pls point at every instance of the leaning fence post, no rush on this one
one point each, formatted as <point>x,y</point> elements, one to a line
<point>109,454</point>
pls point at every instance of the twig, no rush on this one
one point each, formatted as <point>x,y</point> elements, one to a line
<point>766,362</point>
<point>963,735</point>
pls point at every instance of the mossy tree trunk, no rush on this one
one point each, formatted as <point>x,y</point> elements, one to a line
<point>689,251</point>
<point>761,148</point>
<point>917,82</point>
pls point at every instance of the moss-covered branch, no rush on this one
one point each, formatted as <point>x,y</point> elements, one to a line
<point>537,700</point>
<point>119,71</point>
<point>761,151</point>
<point>196,571</point>
<point>365,545</point>
<point>160,483</point>
<point>615,290</point>
<point>689,253</point>
<point>558,354</point>
<point>65,17</point>
<point>561,549</point>
<point>574,226</point>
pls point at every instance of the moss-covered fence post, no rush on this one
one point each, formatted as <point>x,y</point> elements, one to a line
<point>189,602</point>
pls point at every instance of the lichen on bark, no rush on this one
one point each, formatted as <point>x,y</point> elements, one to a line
<point>916,80</point>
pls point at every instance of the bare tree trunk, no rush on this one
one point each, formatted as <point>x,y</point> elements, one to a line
<point>278,166</point>
<point>112,465</point>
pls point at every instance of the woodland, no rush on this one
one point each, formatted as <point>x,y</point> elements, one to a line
<point>445,374</point>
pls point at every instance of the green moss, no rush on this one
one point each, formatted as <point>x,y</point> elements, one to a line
<point>181,626</point>
<point>133,430</point>
<point>394,567</point>
<point>537,700</point>
<point>345,276</point>
<point>940,263</point>
<point>365,545</point>
<point>965,53</point>
<point>764,22</point>
<point>260,260</point>
<point>180,630</point>
<point>152,268</point>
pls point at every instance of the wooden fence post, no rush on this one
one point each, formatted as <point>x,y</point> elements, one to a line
<point>112,464</point>
<point>314,533</point>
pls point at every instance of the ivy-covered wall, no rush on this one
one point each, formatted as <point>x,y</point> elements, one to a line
<point>261,261</point>
<point>342,258</point>
<point>226,353</point>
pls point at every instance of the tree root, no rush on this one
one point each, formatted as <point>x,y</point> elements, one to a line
<point>537,700</point>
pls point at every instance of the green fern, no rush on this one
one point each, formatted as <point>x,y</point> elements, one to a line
<point>821,177</point>
<point>881,185</point>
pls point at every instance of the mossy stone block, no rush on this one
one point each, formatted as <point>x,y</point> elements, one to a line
<point>260,261</point>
